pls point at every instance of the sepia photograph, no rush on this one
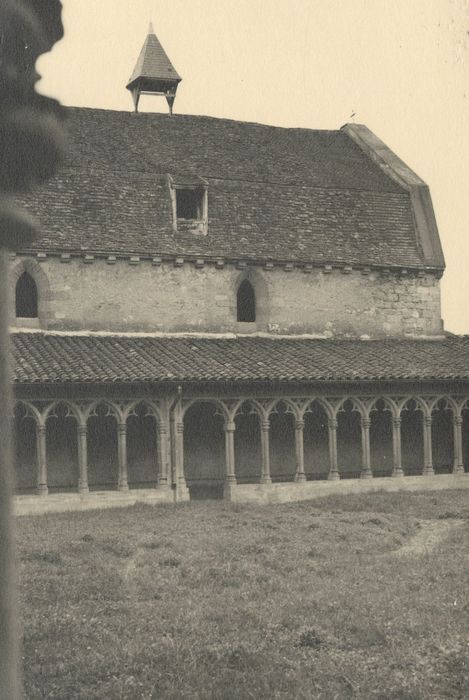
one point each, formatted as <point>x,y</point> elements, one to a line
<point>234,349</point>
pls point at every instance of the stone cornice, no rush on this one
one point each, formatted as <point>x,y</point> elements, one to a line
<point>218,262</point>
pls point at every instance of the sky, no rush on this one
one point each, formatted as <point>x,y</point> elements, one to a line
<point>399,66</point>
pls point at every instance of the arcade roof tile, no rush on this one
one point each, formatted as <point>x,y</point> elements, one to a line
<point>49,358</point>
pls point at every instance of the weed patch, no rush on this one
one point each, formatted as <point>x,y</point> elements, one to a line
<point>43,557</point>
<point>170,561</point>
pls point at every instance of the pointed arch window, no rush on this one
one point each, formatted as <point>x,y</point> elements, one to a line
<point>26,297</point>
<point>246,303</point>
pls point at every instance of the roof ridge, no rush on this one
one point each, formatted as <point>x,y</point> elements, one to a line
<point>208,117</point>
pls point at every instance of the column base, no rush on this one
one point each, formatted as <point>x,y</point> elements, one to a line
<point>42,490</point>
<point>398,472</point>
<point>300,478</point>
<point>230,489</point>
<point>333,476</point>
<point>162,485</point>
<point>83,489</point>
<point>266,481</point>
<point>428,471</point>
<point>459,469</point>
<point>123,487</point>
<point>181,491</point>
<point>366,474</point>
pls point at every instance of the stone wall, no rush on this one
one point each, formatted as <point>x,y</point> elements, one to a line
<point>140,295</point>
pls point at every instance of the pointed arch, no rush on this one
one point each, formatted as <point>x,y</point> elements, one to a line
<point>246,303</point>
<point>204,447</point>
<point>250,299</point>
<point>26,305</point>
<point>26,420</point>
<point>31,291</point>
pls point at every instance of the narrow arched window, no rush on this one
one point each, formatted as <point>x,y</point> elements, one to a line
<point>26,297</point>
<point>246,302</point>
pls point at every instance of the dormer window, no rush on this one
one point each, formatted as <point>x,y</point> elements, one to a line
<point>189,196</point>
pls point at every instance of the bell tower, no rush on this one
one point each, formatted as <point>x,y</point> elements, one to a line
<point>154,74</point>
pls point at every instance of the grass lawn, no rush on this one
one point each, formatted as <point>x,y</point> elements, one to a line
<point>210,600</point>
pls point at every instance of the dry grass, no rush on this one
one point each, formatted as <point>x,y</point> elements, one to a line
<point>209,600</point>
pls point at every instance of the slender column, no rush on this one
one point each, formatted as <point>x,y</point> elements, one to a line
<point>366,472</point>
<point>173,450</point>
<point>41,460</point>
<point>332,424</point>
<point>397,447</point>
<point>230,475</point>
<point>162,450</point>
<point>122,456</point>
<point>458,466</point>
<point>82,459</point>
<point>300,475</point>
<point>230,428</point>
<point>427,446</point>
<point>265,447</point>
<point>180,478</point>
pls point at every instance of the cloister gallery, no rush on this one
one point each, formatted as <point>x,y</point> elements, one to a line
<point>218,443</point>
<point>225,308</point>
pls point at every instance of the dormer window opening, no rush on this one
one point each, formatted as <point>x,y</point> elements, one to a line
<point>26,297</point>
<point>246,303</point>
<point>189,203</point>
<point>189,197</point>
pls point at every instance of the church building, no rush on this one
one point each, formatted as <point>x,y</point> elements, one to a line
<point>231,309</point>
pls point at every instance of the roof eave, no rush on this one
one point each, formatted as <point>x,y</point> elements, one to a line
<point>134,82</point>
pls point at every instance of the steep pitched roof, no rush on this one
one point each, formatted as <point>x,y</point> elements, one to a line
<point>153,61</point>
<point>274,193</point>
<point>60,359</point>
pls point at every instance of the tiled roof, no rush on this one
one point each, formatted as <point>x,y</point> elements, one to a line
<point>274,193</point>
<point>58,359</point>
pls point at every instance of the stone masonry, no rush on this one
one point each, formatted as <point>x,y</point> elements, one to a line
<point>142,295</point>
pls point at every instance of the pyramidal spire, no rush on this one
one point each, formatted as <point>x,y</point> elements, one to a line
<point>154,74</point>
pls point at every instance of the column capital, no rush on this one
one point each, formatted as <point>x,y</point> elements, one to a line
<point>265,425</point>
<point>457,420</point>
<point>82,429</point>
<point>180,427</point>
<point>230,426</point>
<point>366,422</point>
<point>396,422</point>
<point>122,428</point>
<point>332,423</point>
<point>299,424</point>
<point>162,429</point>
<point>41,428</point>
<point>428,421</point>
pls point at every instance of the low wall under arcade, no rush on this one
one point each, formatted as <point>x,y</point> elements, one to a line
<point>244,494</point>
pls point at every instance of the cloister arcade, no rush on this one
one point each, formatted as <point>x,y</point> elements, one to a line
<point>208,445</point>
